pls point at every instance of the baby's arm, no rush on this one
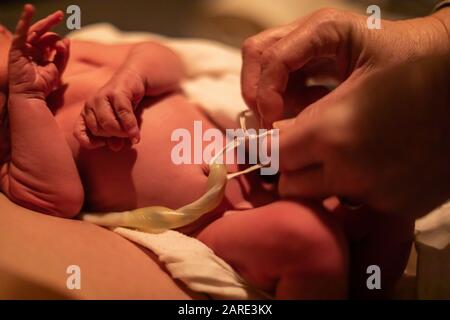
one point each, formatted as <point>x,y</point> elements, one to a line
<point>149,70</point>
<point>41,173</point>
<point>159,68</point>
<point>124,54</point>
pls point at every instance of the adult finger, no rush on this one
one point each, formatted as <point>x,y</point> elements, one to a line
<point>298,147</point>
<point>299,94</point>
<point>306,183</point>
<point>252,50</point>
<point>321,38</point>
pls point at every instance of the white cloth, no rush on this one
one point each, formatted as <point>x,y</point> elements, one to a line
<point>433,230</point>
<point>195,264</point>
<point>433,249</point>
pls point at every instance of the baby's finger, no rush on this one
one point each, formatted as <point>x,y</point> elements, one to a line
<point>84,138</point>
<point>109,125</point>
<point>62,55</point>
<point>20,36</point>
<point>124,111</point>
<point>48,39</point>
<point>101,119</point>
<point>90,120</point>
<point>44,25</point>
<point>45,48</point>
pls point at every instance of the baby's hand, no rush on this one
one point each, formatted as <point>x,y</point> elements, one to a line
<point>108,117</point>
<point>150,69</point>
<point>37,58</point>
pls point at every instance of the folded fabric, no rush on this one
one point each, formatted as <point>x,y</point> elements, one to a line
<point>433,248</point>
<point>195,264</point>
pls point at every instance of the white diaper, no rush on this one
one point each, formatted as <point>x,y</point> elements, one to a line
<point>195,264</point>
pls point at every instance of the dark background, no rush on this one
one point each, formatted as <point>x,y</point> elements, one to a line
<point>178,18</point>
<point>168,17</point>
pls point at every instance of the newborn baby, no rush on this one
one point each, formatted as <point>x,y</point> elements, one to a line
<point>94,131</point>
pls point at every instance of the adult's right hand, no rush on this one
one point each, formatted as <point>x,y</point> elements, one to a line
<point>387,145</point>
<point>333,44</point>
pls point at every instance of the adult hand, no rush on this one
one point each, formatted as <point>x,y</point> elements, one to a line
<point>278,63</point>
<point>386,145</point>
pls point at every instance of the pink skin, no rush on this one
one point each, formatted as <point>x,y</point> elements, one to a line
<point>291,249</point>
<point>5,42</point>
<point>37,58</point>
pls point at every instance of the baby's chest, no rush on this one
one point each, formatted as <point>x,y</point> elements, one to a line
<point>83,81</point>
<point>68,102</point>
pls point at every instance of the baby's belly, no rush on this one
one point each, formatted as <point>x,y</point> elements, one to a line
<point>144,174</point>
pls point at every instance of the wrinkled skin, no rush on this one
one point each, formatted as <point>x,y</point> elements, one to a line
<point>379,137</point>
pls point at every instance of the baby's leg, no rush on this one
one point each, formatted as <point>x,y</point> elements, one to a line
<point>290,249</point>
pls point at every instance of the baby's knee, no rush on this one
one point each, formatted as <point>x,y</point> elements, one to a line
<point>303,239</point>
<point>283,240</point>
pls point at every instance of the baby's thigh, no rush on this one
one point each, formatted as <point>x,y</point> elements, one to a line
<point>282,239</point>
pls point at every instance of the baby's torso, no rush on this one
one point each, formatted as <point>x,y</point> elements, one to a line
<point>143,174</point>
